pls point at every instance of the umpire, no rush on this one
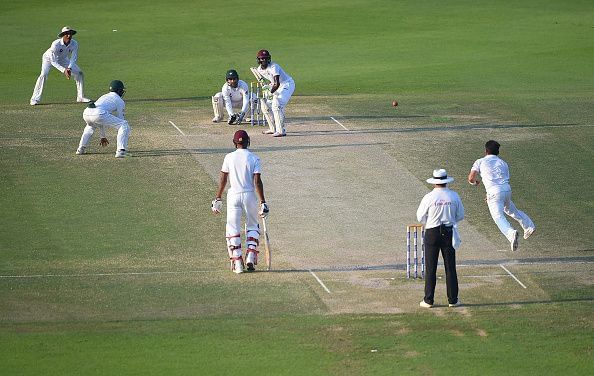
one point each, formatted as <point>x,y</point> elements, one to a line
<point>440,211</point>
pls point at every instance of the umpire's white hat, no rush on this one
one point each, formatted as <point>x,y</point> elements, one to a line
<point>440,177</point>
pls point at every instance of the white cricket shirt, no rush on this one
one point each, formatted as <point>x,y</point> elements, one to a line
<point>273,69</point>
<point>494,172</point>
<point>241,165</point>
<point>111,103</point>
<point>441,206</point>
<point>235,95</point>
<point>59,54</point>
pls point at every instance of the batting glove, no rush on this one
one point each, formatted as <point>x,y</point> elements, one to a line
<point>216,206</point>
<point>264,210</point>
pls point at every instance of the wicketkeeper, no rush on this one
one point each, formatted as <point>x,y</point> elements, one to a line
<point>242,170</point>
<point>233,94</point>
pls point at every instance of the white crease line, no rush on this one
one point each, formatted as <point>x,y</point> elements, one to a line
<point>513,276</point>
<point>179,130</point>
<point>320,281</point>
<point>100,274</point>
<point>339,123</point>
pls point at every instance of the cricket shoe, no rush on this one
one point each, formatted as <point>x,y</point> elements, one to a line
<point>80,151</point>
<point>425,304</point>
<point>216,119</point>
<point>120,153</point>
<point>34,103</point>
<point>528,232</point>
<point>514,242</point>
<point>279,134</point>
<point>457,304</point>
<point>238,266</point>
<point>83,100</point>
<point>268,132</point>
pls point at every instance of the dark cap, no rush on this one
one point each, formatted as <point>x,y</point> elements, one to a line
<point>231,73</point>
<point>240,137</point>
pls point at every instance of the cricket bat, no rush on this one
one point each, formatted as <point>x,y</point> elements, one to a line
<point>257,74</point>
<point>267,253</point>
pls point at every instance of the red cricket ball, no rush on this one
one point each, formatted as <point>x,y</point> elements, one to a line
<point>394,103</point>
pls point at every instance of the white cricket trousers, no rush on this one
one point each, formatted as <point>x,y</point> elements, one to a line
<point>500,205</point>
<point>238,204</point>
<point>280,99</point>
<point>46,66</point>
<point>97,118</point>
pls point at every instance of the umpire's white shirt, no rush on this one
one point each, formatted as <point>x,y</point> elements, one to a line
<point>494,172</point>
<point>241,165</point>
<point>440,206</point>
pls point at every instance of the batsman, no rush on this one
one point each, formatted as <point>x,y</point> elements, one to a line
<point>242,170</point>
<point>281,89</point>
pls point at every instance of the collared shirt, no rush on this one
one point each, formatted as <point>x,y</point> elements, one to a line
<point>494,172</point>
<point>273,69</point>
<point>62,56</point>
<point>241,165</point>
<point>441,206</point>
<point>233,95</point>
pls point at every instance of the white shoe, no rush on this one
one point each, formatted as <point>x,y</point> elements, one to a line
<point>80,151</point>
<point>120,153</point>
<point>83,100</point>
<point>216,119</point>
<point>268,132</point>
<point>34,103</point>
<point>457,304</point>
<point>514,242</point>
<point>279,135</point>
<point>528,232</point>
<point>250,261</point>
<point>425,305</point>
<point>237,267</point>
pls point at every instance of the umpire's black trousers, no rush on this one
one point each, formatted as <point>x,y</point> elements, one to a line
<point>436,239</point>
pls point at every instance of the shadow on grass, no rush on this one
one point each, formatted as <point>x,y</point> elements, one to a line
<point>213,151</point>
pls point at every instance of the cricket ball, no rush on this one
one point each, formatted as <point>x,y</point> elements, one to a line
<point>394,103</point>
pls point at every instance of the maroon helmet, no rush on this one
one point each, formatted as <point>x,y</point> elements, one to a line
<point>241,137</point>
<point>263,54</point>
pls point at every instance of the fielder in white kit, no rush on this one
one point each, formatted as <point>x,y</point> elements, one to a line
<point>495,174</point>
<point>62,55</point>
<point>234,93</point>
<point>242,170</point>
<point>107,112</point>
<point>282,87</point>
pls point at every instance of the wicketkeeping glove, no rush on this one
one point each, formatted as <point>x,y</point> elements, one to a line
<point>264,210</point>
<point>240,118</point>
<point>232,119</point>
<point>216,206</point>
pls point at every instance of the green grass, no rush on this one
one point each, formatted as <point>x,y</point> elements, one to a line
<point>519,72</point>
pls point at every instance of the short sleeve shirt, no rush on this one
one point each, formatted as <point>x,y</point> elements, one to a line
<point>494,172</point>
<point>241,165</point>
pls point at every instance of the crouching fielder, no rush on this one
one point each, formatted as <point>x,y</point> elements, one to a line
<point>242,170</point>
<point>233,94</point>
<point>107,111</point>
<point>282,87</point>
